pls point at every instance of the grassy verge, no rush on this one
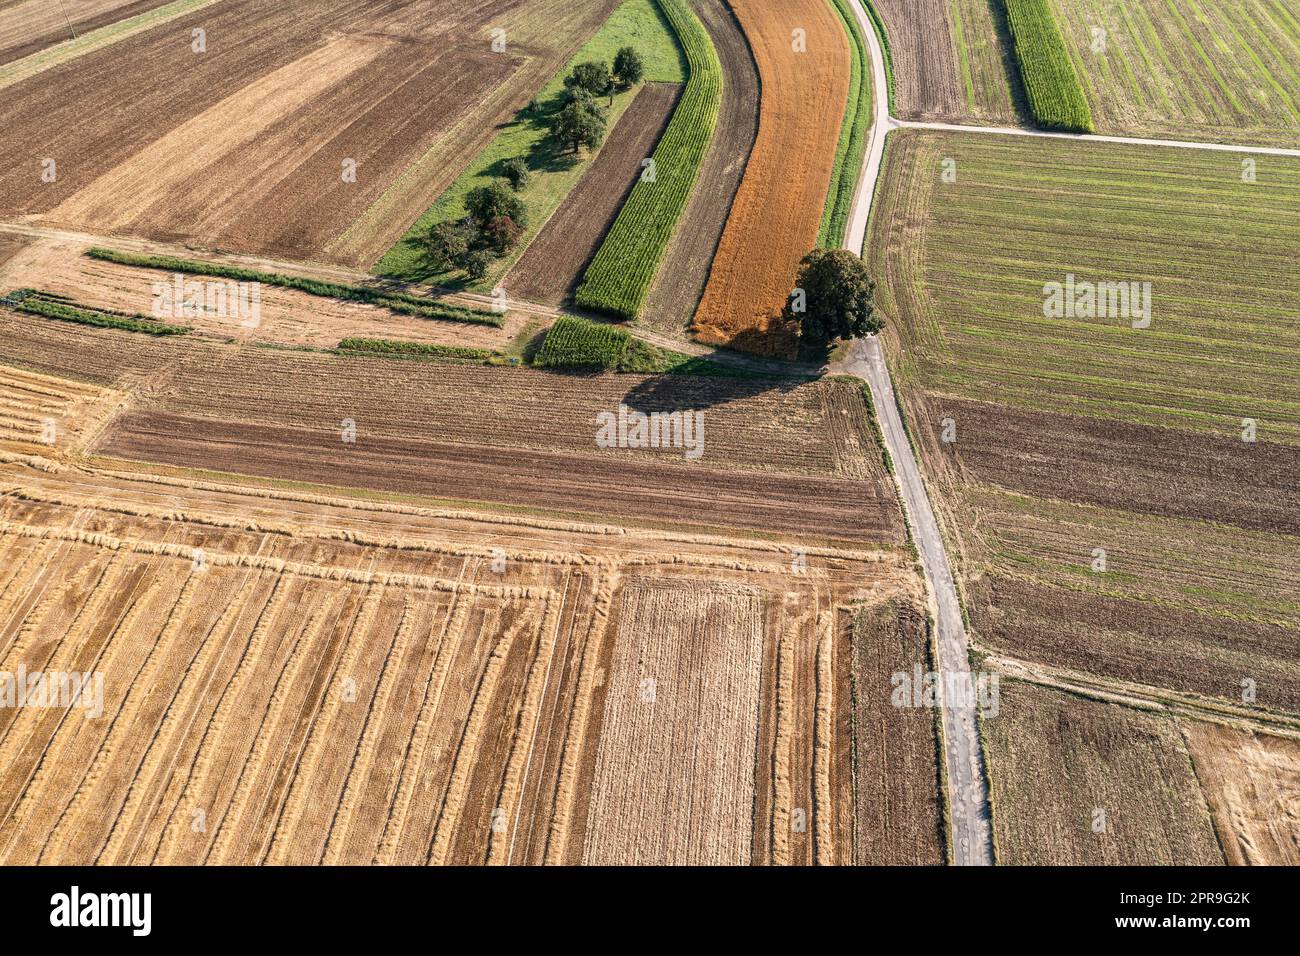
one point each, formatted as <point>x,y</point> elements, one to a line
<point>553,170</point>
<point>1052,85</point>
<point>58,307</point>
<point>853,134</point>
<point>623,269</point>
<point>878,24</point>
<point>399,302</point>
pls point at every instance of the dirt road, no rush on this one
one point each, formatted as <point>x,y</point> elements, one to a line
<point>972,837</point>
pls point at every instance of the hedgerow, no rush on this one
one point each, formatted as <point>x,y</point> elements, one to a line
<point>399,302</point>
<point>620,274</point>
<point>426,349</point>
<point>47,307</point>
<point>1055,94</point>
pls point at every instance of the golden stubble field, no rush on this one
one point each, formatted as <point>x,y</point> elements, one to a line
<point>291,678</point>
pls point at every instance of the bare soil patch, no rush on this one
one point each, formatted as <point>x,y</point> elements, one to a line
<point>554,262</point>
<point>30,26</point>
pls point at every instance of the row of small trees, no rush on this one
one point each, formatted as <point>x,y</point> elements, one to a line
<point>497,217</point>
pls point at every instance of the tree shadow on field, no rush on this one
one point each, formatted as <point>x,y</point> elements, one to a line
<point>1010,66</point>
<point>675,393</point>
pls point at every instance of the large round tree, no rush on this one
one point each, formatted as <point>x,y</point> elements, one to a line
<point>833,299</point>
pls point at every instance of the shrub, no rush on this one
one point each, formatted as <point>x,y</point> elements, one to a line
<point>494,200</point>
<point>592,76</point>
<point>579,123</point>
<point>444,246</point>
<point>628,66</point>
<point>476,263</point>
<point>516,173</point>
<point>502,234</point>
<point>837,300</point>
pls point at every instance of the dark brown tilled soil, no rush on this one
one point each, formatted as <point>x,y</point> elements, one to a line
<point>1129,467</point>
<point>558,256</point>
<point>1139,641</point>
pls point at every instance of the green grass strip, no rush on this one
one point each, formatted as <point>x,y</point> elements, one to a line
<point>1056,96</point>
<point>421,349</point>
<point>619,278</point>
<point>853,135</point>
<point>59,310</point>
<point>399,302</point>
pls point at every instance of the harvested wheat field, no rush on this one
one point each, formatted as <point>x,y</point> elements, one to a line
<point>1252,783</point>
<point>285,316</point>
<point>777,212</point>
<point>781,456</point>
<point>685,269</point>
<point>317,128</point>
<point>1076,781</point>
<point>38,410</point>
<point>550,268</point>
<point>291,678</point>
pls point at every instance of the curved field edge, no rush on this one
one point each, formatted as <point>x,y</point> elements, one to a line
<point>853,133</point>
<point>619,278</point>
<point>552,180</point>
<point>1052,85</point>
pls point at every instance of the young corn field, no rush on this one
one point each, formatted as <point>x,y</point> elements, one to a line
<point>623,269</point>
<point>1055,94</point>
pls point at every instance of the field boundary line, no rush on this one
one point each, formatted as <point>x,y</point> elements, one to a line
<point>96,40</point>
<point>1095,138</point>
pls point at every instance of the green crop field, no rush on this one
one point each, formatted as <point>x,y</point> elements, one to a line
<point>1055,97</point>
<point>623,269</point>
<point>1225,70</point>
<point>853,135</point>
<point>574,343</point>
<point>637,23</point>
<point>1119,490</point>
<point>1223,341</point>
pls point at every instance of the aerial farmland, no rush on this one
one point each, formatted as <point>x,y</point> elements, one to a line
<point>649,433</point>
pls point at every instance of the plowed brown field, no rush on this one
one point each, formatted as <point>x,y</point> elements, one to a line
<point>777,210</point>
<point>554,262</point>
<point>244,146</point>
<point>29,26</point>
<point>779,455</point>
